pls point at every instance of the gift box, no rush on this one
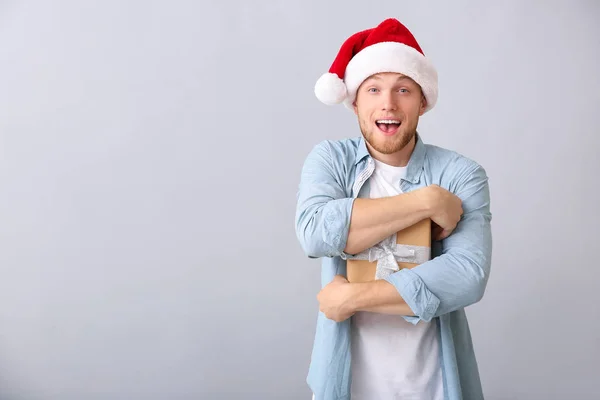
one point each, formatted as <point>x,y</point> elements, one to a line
<point>405,249</point>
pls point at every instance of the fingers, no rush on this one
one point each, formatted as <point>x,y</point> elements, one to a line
<point>445,233</point>
<point>441,234</point>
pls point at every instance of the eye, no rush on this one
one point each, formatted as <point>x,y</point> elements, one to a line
<point>403,90</point>
<point>372,90</point>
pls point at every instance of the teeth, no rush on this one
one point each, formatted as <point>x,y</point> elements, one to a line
<point>387,121</point>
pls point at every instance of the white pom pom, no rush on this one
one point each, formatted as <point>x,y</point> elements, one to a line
<point>330,89</point>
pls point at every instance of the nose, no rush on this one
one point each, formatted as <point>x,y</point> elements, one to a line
<point>388,101</point>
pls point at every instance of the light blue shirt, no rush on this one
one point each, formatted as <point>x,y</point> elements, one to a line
<point>334,174</point>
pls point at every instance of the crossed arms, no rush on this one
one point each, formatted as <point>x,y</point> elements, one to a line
<point>329,224</point>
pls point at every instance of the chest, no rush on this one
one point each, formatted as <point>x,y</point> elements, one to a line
<point>365,183</point>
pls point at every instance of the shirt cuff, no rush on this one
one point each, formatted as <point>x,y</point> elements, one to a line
<point>336,224</point>
<point>419,298</point>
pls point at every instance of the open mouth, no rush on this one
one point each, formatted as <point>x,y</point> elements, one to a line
<point>388,126</point>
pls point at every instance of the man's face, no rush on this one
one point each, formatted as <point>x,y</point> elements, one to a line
<point>388,106</point>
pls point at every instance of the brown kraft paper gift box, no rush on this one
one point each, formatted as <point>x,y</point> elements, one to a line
<point>418,234</point>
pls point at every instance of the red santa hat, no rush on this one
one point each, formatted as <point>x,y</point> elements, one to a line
<point>389,47</point>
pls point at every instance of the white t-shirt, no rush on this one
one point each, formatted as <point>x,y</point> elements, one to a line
<point>392,358</point>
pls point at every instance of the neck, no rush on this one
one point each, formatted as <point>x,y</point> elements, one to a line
<point>397,159</point>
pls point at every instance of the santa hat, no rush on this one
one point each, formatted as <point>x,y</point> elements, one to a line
<point>389,47</point>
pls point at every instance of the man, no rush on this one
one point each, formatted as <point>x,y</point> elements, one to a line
<point>405,336</point>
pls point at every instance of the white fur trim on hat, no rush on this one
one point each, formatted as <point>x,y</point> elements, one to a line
<point>391,57</point>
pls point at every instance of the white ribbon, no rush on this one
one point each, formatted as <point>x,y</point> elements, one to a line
<point>388,254</point>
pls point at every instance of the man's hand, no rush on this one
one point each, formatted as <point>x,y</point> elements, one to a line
<point>445,209</point>
<point>335,299</point>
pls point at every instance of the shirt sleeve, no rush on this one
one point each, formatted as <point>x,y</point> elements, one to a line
<point>323,207</point>
<point>458,277</point>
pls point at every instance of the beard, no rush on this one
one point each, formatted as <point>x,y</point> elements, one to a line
<point>388,145</point>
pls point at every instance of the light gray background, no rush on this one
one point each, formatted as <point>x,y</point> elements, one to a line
<point>149,159</point>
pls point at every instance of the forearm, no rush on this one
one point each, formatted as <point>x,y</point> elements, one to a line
<point>379,296</point>
<point>372,220</point>
<point>393,309</point>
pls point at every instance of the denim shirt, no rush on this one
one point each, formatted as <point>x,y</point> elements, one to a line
<point>334,174</point>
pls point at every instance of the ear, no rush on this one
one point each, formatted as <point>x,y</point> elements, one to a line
<point>355,107</point>
<point>423,105</point>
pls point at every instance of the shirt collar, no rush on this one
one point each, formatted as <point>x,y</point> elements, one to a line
<point>415,163</point>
